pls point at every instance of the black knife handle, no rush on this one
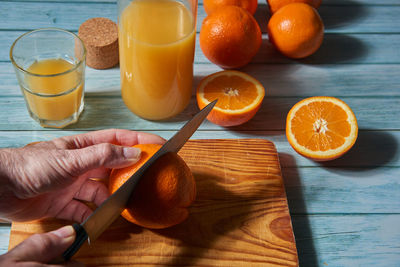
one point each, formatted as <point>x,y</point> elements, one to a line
<point>80,238</point>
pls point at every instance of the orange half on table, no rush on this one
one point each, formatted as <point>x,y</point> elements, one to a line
<point>239,97</point>
<point>321,128</point>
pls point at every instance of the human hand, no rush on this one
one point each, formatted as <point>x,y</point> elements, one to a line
<point>51,179</point>
<point>39,249</point>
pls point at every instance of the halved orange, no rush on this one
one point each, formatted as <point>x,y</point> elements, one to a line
<point>321,128</point>
<point>239,97</point>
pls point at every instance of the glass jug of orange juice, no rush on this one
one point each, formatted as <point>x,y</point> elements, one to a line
<point>156,49</point>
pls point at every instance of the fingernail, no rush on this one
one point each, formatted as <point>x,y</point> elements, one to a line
<point>132,153</point>
<point>65,232</point>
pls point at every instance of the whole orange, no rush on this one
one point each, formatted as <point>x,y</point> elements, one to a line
<point>161,198</point>
<point>230,37</point>
<point>274,5</point>
<point>212,5</point>
<point>296,30</point>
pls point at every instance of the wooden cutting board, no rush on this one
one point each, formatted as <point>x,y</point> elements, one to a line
<point>240,216</point>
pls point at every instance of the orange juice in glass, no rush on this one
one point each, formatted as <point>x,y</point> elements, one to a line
<point>50,66</point>
<point>156,48</point>
<point>61,105</point>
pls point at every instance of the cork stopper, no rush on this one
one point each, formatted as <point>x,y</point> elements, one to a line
<point>100,36</point>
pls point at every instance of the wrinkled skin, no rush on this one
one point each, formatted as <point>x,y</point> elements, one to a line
<point>51,179</point>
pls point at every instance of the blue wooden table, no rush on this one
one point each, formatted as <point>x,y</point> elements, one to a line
<point>345,212</point>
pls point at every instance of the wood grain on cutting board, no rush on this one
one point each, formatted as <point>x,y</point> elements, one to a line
<point>240,216</point>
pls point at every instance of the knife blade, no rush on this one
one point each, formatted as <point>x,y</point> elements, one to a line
<point>112,207</point>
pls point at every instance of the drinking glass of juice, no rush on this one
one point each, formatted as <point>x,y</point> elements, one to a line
<point>50,68</point>
<point>156,49</point>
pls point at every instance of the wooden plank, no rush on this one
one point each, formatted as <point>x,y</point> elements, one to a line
<point>347,48</point>
<point>373,149</point>
<point>330,189</point>
<point>353,18</point>
<point>349,240</point>
<point>341,80</point>
<point>342,190</point>
<point>69,15</point>
<point>336,48</point>
<point>46,14</point>
<point>360,18</point>
<point>107,112</point>
<point>341,240</point>
<point>279,80</point>
<point>4,237</point>
<point>358,2</point>
<point>364,181</point>
<point>239,218</point>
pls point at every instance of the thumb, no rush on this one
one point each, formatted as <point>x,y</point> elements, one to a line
<point>44,247</point>
<point>102,155</point>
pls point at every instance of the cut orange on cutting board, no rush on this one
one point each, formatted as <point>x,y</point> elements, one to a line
<point>163,195</point>
<point>239,97</point>
<point>321,128</point>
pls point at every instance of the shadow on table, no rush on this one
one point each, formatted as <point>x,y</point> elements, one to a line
<point>338,48</point>
<point>272,114</point>
<point>270,118</point>
<point>373,149</point>
<point>340,16</point>
<point>333,16</point>
<point>99,115</point>
<point>301,225</point>
<point>262,16</point>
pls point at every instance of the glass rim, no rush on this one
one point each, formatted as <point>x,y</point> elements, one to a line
<point>42,30</point>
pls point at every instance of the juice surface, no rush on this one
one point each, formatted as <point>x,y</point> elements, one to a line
<point>67,88</point>
<point>157,40</point>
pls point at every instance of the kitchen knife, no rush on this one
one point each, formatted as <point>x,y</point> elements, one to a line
<point>112,207</point>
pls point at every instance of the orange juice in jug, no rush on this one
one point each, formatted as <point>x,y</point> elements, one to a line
<point>156,46</point>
